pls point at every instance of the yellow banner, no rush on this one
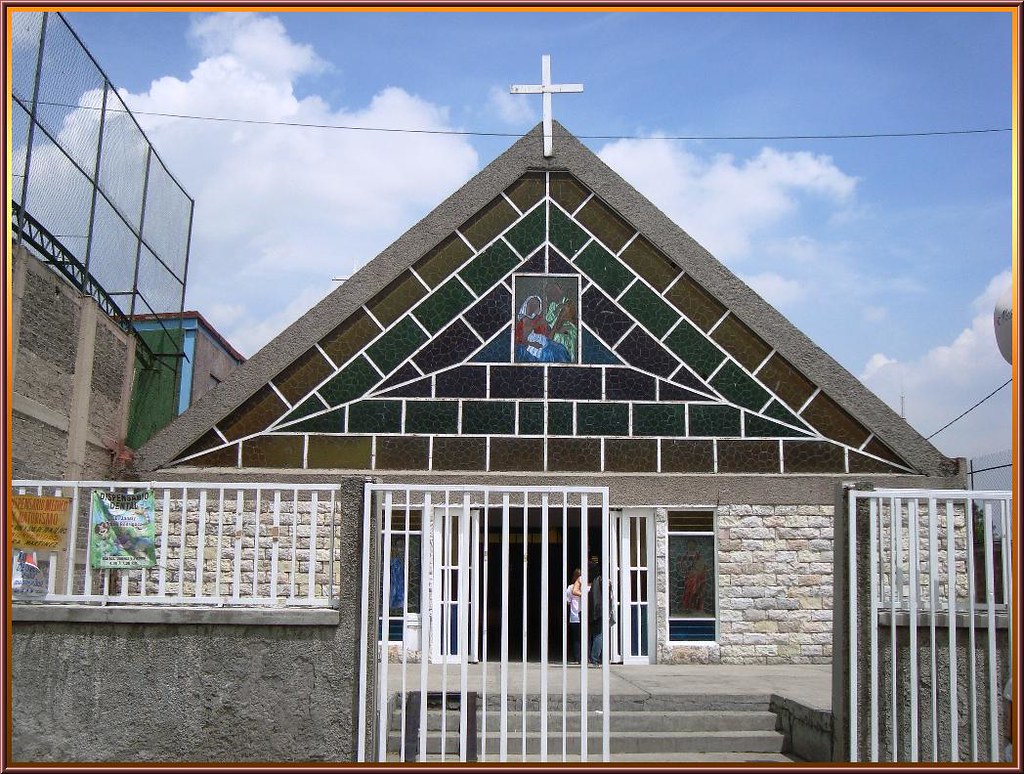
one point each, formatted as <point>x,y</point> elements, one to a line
<point>39,523</point>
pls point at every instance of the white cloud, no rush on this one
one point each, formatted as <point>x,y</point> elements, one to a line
<point>280,210</point>
<point>874,314</point>
<point>723,202</point>
<point>948,379</point>
<point>775,289</point>
<point>513,109</point>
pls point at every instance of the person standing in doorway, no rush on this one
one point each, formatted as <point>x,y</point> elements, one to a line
<point>573,594</point>
<point>595,612</point>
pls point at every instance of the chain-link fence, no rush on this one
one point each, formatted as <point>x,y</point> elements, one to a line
<point>991,471</point>
<point>85,176</point>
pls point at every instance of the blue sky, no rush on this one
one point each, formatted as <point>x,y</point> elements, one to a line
<point>889,253</point>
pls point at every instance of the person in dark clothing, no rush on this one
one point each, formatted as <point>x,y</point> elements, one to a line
<point>594,613</point>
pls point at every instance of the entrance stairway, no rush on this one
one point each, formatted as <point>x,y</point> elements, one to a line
<point>680,728</point>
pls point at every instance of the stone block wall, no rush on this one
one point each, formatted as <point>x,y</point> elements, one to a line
<point>774,578</point>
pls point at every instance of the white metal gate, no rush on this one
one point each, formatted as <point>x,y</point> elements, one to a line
<point>939,599</point>
<point>438,694</point>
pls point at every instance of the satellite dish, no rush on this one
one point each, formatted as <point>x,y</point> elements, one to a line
<point>1002,318</point>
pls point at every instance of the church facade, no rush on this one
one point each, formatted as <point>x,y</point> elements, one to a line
<point>548,326</point>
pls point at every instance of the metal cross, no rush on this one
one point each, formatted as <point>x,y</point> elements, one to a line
<point>547,89</point>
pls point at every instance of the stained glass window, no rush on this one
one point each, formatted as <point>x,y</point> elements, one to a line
<point>692,579</point>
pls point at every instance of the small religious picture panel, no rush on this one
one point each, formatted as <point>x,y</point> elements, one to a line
<point>547,319</point>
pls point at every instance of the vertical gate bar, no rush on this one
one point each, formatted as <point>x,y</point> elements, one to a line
<point>474,584</point>
<point>933,603</point>
<point>526,545</point>
<point>913,559</point>
<point>954,714</point>
<point>220,540</point>
<point>69,585</point>
<point>990,598</point>
<point>385,629</point>
<point>181,543</point>
<point>463,623</point>
<point>874,552</point>
<point>257,504</point>
<point>852,570</point>
<point>275,545</point>
<point>584,628</point>
<point>565,670</point>
<point>364,627</point>
<point>294,549</point>
<point>165,525</point>
<point>314,512</point>
<point>895,527</point>
<point>200,545</point>
<point>405,618</point>
<point>1007,554</point>
<point>544,591</point>
<point>484,615</point>
<point>426,616</point>
<point>503,727</point>
<point>972,609</point>
<point>605,629</point>
<point>446,615</point>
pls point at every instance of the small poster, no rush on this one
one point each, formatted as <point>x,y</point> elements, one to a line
<point>39,523</point>
<point>27,580</point>
<point>122,528</point>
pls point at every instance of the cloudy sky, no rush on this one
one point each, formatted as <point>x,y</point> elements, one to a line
<point>889,252</point>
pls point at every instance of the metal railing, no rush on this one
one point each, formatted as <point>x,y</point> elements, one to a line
<point>939,584</point>
<point>216,544</point>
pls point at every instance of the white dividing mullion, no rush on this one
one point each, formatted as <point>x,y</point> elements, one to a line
<point>782,459</point>
<point>279,394</point>
<point>626,289</point>
<point>328,358</point>
<point>725,361</point>
<point>763,362</point>
<point>714,454</point>
<point>466,286</point>
<point>807,402</point>
<point>627,244</point>
<point>426,287</point>
<point>460,235</point>
<point>376,322</point>
<point>200,546</point>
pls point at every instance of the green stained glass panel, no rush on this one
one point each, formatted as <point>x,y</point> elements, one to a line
<point>630,456</point>
<point>254,415</point>
<point>714,421</point>
<point>659,419</point>
<point>402,453</point>
<point>489,222</point>
<point>459,453</point>
<point>564,234</point>
<point>396,345</point>
<point>777,411</point>
<point>443,305</point>
<point>353,380</point>
<point>567,191</point>
<point>375,416</point>
<point>695,302</point>
<point>758,427</point>
<point>605,224</point>
<point>647,307</point>
<point>349,337</point>
<point>439,263</point>
<point>527,235</point>
<point>527,190</point>
<point>331,422</point>
<point>396,299</point>
<point>605,269</point>
<point>488,417</point>
<point>779,376</point>
<point>741,342</point>
<point>694,349</point>
<point>568,454</point>
<point>531,418</point>
<point>602,419</point>
<point>647,261</point>
<point>441,416</point>
<point>559,418</point>
<point>343,452</point>
<point>489,267</point>
<point>738,387</point>
<point>513,454</point>
<point>273,451</point>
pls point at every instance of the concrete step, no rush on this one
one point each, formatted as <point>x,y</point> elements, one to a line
<point>620,742</point>
<point>623,720</point>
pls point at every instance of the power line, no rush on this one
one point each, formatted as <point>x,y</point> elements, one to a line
<point>997,389</point>
<point>394,130</point>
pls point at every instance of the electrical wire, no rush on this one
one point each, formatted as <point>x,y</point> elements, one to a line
<point>997,389</point>
<point>393,130</point>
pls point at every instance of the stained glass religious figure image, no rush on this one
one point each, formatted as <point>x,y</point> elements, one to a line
<point>547,319</point>
<point>691,576</point>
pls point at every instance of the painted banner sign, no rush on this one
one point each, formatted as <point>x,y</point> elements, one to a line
<point>39,523</point>
<point>121,534</point>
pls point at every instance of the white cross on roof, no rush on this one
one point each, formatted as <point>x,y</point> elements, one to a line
<point>547,89</point>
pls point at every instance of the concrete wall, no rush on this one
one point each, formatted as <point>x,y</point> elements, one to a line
<point>212,365</point>
<point>72,370</point>
<point>140,684</point>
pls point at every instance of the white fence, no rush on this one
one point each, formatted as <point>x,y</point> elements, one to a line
<point>216,544</point>
<point>940,598</point>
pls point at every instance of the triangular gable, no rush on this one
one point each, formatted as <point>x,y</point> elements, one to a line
<point>647,355</point>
